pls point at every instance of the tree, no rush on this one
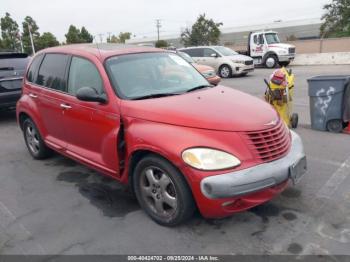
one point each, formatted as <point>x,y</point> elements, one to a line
<point>73,35</point>
<point>123,36</point>
<point>9,32</point>
<point>112,39</point>
<point>46,40</point>
<point>203,32</point>
<point>85,36</point>
<point>29,23</point>
<point>336,19</point>
<point>161,44</point>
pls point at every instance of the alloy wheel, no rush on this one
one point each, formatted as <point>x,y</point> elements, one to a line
<point>32,139</point>
<point>225,72</point>
<point>158,191</point>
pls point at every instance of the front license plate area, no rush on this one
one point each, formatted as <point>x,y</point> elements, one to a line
<point>297,170</point>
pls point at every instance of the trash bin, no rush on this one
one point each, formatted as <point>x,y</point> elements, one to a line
<point>326,102</point>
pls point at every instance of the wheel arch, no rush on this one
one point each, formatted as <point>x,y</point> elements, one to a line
<point>269,53</point>
<point>140,153</point>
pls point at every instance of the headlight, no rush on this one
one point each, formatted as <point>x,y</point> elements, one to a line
<point>209,159</point>
<point>209,73</point>
<point>283,52</point>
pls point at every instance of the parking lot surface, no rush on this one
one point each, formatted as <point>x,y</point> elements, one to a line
<point>57,206</point>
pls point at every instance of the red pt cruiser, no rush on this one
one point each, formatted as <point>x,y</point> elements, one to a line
<point>146,117</point>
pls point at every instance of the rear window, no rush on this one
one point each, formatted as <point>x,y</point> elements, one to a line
<point>33,69</point>
<point>52,71</point>
<point>13,61</point>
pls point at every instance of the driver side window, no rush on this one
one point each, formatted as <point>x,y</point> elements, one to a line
<point>83,73</point>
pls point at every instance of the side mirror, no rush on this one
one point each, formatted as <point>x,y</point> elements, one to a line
<point>214,55</point>
<point>214,83</point>
<point>90,94</point>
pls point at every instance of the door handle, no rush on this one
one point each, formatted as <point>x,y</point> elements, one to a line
<point>33,95</point>
<point>65,106</point>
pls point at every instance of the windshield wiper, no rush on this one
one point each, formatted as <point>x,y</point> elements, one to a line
<point>198,87</point>
<point>154,96</point>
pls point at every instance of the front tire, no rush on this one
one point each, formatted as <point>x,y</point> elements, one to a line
<point>225,71</point>
<point>271,61</point>
<point>162,191</point>
<point>35,144</point>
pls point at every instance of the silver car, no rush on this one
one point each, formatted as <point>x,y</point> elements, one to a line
<point>224,60</point>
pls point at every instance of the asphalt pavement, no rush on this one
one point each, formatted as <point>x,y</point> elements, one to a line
<point>57,206</point>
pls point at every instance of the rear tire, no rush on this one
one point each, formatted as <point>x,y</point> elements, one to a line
<point>162,191</point>
<point>225,71</point>
<point>35,144</point>
<point>335,125</point>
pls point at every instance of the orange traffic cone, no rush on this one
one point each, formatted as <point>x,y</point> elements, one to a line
<point>347,129</point>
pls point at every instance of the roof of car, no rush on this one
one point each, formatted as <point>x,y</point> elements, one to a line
<point>203,46</point>
<point>102,51</point>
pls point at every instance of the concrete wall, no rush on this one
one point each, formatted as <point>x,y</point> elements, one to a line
<point>338,58</point>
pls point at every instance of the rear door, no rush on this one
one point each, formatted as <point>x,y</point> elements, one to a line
<point>51,98</point>
<point>91,128</point>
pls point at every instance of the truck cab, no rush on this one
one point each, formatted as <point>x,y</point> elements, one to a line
<point>266,49</point>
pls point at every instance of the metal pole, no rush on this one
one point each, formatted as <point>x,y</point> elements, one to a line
<point>158,25</point>
<point>20,39</point>
<point>31,39</point>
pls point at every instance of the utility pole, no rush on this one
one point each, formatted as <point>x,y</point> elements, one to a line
<point>31,38</point>
<point>100,35</point>
<point>158,25</point>
<point>20,39</point>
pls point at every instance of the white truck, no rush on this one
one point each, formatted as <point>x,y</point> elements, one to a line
<point>267,50</point>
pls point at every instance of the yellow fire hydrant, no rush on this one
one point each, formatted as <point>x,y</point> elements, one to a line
<point>279,93</point>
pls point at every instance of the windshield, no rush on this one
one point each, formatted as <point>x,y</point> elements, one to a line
<point>139,75</point>
<point>186,57</point>
<point>272,38</point>
<point>225,51</point>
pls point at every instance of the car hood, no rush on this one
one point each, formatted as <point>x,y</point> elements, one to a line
<point>239,57</point>
<point>217,108</point>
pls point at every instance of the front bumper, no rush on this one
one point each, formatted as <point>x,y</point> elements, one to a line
<point>286,58</point>
<point>256,178</point>
<point>241,69</point>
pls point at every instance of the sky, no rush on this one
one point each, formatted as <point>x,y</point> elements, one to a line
<point>138,16</point>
